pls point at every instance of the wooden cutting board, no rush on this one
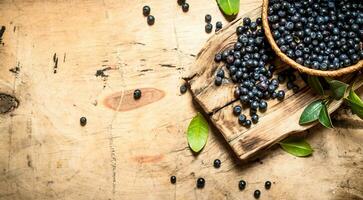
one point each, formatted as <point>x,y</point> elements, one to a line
<point>278,122</point>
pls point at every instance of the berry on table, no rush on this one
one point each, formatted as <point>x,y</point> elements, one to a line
<point>185,7</point>
<point>217,163</point>
<point>146,10</point>
<point>173,179</point>
<point>137,94</point>
<point>200,183</point>
<point>150,20</point>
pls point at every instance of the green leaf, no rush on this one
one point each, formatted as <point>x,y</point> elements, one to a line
<point>338,88</point>
<point>314,83</point>
<point>355,98</point>
<point>324,117</point>
<point>229,7</point>
<point>311,112</point>
<point>197,133</point>
<point>296,147</point>
<point>355,103</point>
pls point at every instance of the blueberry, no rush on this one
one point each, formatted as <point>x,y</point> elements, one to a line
<point>254,118</point>
<point>218,25</point>
<point>254,105</point>
<point>217,163</point>
<point>150,20</point>
<point>200,183</point>
<point>267,185</point>
<point>247,123</point>
<point>237,110</point>
<point>220,73</point>
<point>83,121</point>
<point>185,7</point>
<point>218,81</point>
<point>257,194</point>
<point>242,119</point>
<point>246,21</point>
<point>208,28</point>
<point>280,95</point>
<point>263,105</point>
<point>218,57</point>
<point>242,184</point>
<point>208,18</point>
<point>173,179</point>
<point>181,2</point>
<point>183,89</point>
<point>146,10</point>
<point>137,94</point>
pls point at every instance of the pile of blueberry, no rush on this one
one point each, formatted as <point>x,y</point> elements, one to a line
<point>247,64</point>
<point>319,34</point>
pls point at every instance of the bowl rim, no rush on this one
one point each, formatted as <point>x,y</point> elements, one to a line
<point>293,63</point>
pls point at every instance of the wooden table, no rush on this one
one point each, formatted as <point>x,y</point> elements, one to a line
<point>129,150</point>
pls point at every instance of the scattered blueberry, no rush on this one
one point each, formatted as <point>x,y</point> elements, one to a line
<point>218,81</point>
<point>217,163</point>
<point>150,20</point>
<point>257,194</point>
<point>200,183</point>
<point>173,179</point>
<point>208,28</point>
<point>83,121</point>
<point>218,25</point>
<point>185,7</point>
<point>267,185</point>
<point>183,89</point>
<point>137,94</point>
<point>237,110</point>
<point>208,18</point>
<point>146,10</point>
<point>242,184</point>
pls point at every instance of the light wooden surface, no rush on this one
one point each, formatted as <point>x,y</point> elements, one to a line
<point>129,150</point>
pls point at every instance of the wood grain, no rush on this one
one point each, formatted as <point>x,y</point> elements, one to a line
<point>46,154</point>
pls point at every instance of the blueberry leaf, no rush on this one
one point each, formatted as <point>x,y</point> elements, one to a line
<point>338,88</point>
<point>311,112</point>
<point>229,7</point>
<point>315,84</point>
<point>355,103</point>
<point>297,147</point>
<point>197,133</point>
<point>324,117</point>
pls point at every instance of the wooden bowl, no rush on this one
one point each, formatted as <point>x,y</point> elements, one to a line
<point>293,63</point>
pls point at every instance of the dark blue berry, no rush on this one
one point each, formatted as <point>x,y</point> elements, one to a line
<point>257,194</point>
<point>237,110</point>
<point>280,95</point>
<point>83,121</point>
<point>208,28</point>
<point>150,20</point>
<point>183,89</point>
<point>242,119</point>
<point>218,81</point>
<point>137,94</point>
<point>208,18</point>
<point>267,185</point>
<point>242,184</point>
<point>185,7</point>
<point>217,163</point>
<point>146,10</point>
<point>173,179</point>
<point>200,183</point>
